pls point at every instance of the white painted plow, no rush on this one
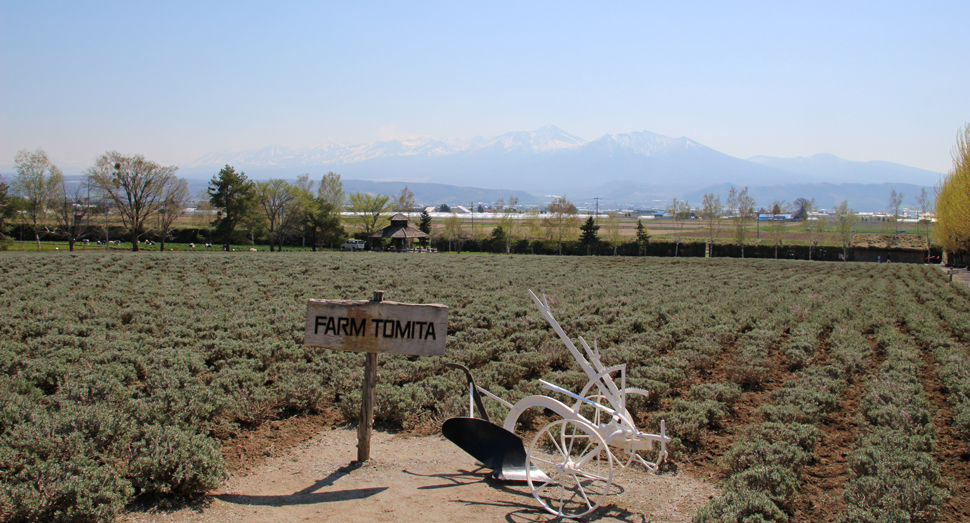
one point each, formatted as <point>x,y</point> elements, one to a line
<point>570,463</point>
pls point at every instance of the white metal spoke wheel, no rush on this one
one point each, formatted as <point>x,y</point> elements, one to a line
<point>621,458</point>
<point>576,468</point>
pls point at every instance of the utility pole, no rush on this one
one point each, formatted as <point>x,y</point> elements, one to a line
<point>597,219</point>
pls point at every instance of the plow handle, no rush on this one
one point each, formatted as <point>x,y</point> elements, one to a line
<point>474,388</point>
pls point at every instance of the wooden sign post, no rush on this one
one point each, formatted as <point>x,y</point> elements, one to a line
<point>375,327</point>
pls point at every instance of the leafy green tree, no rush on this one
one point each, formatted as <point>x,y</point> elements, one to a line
<point>234,197</point>
<point>332,191</point>
<point>300,213</point>
<point>643,237</point>
<point>499,238</point>
<point>589,236</point>
<point>613,231</point>
<point>324,212</point>
<point>254,223</point>
<point>444,208</point>
<point>368,211</point>
<point>533,227</point>
<point>454,232</point>
<point>37,183</point>
<point>323,223</point>
<point>135,186</point>
<point>802,208</point>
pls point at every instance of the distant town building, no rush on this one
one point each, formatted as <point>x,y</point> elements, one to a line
<point>765,217</point>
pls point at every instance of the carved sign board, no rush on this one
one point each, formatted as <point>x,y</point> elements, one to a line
<point>383,327</point>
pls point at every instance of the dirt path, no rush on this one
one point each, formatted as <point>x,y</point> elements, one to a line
<point>411,479</point>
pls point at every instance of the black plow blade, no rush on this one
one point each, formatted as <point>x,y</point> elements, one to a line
<point>497,448</point>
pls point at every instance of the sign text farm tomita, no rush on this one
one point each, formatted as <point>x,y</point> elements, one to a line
<point>379,327</point>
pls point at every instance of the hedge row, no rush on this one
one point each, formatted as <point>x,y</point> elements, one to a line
<point>546,247</point>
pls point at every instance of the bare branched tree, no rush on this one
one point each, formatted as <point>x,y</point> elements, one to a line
<point>845,219</point>
<point>37,183</point>
<point>561,223</point>
<point>743,207</point>
<point>712,217</point>
<point>274,197</point>
<point>136,187</point>
<point>679,212</point>
<point>404,201</point>
<point>175,198</point>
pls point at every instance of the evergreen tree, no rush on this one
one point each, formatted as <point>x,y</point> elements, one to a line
<point>589,236</point>
<point>8,206</point>
<point>643,238</point>
<point>425,226</point>
<point>234,196</point>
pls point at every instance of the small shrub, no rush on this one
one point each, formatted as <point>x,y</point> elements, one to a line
<point>758,452</point>
<point>167,460</point>
<point>743,505</point>
<point>724,392</point>
<point>779,483</point>
<point>690,420</point>
<point>752,374</point>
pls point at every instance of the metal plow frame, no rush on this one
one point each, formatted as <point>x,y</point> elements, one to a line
<point>570,463</point>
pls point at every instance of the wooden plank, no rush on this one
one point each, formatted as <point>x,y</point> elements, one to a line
<point>377,327</point>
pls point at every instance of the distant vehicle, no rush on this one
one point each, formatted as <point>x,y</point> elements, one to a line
<point>353,245</point>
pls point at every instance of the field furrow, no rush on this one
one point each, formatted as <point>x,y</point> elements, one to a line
<point>126,375</point>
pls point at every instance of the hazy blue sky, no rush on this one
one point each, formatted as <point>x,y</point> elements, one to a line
<point>175,80</point>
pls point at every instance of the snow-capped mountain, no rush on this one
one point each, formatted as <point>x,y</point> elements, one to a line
<point>550,160</point>
<point>546,139</point>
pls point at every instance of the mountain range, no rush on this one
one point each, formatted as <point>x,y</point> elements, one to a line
<point>634,167</point>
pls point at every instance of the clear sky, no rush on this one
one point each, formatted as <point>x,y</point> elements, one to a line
<point>175,80</point>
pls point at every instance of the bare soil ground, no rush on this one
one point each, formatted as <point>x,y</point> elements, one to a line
<point>424,479</point>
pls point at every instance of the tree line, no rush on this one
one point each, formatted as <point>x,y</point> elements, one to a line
<point>148,198</point>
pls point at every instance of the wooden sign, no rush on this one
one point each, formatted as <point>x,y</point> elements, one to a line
<point>381,327</point>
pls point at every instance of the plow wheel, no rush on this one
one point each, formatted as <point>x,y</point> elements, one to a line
<point>577,466</point>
